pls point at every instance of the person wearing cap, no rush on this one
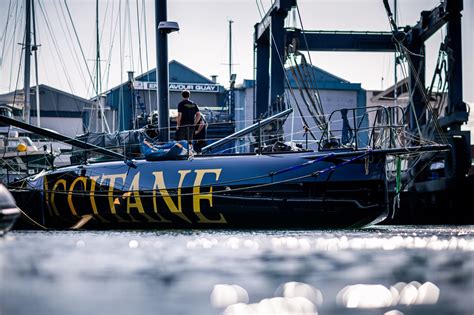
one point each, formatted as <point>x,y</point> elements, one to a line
<point>188,118</point>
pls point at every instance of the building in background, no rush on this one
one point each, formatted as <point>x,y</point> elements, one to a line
<point>130,99</point>
<point>334,94</point>
<point>63,112</point>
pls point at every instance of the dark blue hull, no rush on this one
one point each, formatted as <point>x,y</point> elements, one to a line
<point>297,190</point>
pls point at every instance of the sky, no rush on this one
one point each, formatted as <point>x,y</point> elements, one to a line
<point>202,42</point>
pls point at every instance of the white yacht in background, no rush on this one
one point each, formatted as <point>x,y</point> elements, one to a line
<point>19,156</point>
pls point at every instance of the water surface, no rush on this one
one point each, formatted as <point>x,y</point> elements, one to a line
<point>384,270</point>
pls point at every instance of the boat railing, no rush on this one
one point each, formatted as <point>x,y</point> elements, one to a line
<point>256,127</point>
<point>359,128</point>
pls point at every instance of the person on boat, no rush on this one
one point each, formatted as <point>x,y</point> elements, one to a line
<point>151,129</point>
<point>200,134</point>
<point>188,118</point>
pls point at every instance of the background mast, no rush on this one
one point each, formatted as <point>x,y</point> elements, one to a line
<point>26,82</point>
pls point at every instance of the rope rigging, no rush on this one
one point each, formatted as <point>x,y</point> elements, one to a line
<point>69,42</point>
<point>113,31</point>
<point>3,35</point>
<point>308,91</point>
<point>11,43</point>
<point>399,38</point>
<point>441,74</point>
<point>295,75</point>
<point>313,90</point>
<point>315,111</point>
<point>70,51</point>
<point>312,76</point>
<point>287,80</point>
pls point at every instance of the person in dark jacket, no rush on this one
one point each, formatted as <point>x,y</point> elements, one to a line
<point>188,118</point>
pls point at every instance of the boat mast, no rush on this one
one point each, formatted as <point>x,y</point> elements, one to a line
<point>97,66</point>
<point>26,82</point>
<point>35,49</point>
<point>395,92</point>
<point>162,70</point>
<point>104,126</point>
<point>230,50</point>
<point>230,105</point>
<point>162,29</point>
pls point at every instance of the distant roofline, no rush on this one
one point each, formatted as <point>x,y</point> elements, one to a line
<point>64,92</point>
<point>325,72</point>
<point>388,93</point>
<point>20,93</point>
<point>195,72</point>
<point>182,65</point>
<point>209,81</point>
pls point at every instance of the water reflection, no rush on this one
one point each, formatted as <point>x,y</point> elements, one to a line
<point>277,305</point>
<point>365,296</point>
<point>133,244</point>
<point>337,243</point>
<point>415,293</point>
<point>228,243</point>
<point>239,272</point>
<point>302,298</point>
<point>300,289</point>
<point>378,296</point>
<point>223,295</point>
<point>296,298</point>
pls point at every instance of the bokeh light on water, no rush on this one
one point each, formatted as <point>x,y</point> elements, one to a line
<point>378,296</point>
<point>387,270</point>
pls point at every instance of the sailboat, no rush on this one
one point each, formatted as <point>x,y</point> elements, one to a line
<point>342,184</point>
<point>19,155</point>
<point>279,189</point>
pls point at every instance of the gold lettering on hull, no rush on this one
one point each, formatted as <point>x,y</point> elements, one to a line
<point>53,193</point>
<point>198,196</point>
<point>112,178</point>
<point>110,194</point>
<point>134,192</point>
<point>92,194</point>
<point>93,180</point>
<point>46,196</point>
<point>160,184</point>
<point>131,199</point>
<point>71,192</point>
